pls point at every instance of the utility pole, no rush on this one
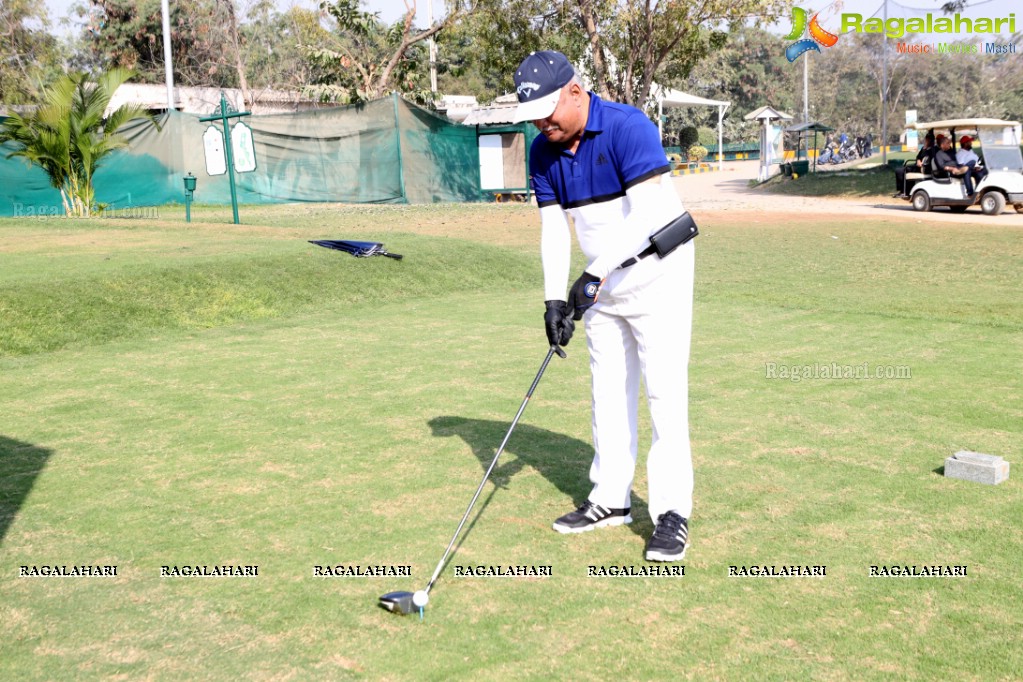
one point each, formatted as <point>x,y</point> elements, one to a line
<point>168,67</point>
<point>884,92</point>
<point>806,89</point>
<point>433,48</point>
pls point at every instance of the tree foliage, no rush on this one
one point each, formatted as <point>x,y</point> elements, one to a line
<point>371,58</point>
<point>845,84</point>
<point>749,71</point>
<point>28,53</point>
<point>272,45</point>
<point>635,43</point>
<point>343,53</point>
<point>478,53</point>
<point>129,34</point>
<point>625,46</point>
<point>69,135</point>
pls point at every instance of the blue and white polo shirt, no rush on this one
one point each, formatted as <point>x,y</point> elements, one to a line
<point>620,147</point>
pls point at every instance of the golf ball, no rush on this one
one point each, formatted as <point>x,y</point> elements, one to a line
<point>420,598</point>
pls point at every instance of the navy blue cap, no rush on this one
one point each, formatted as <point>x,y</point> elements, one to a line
<point>538,83</point>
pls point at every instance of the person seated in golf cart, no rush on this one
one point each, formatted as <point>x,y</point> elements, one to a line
<point>967,157</point>
<point>926,154</point>
<point>914,172</point>
<point>946,166</point>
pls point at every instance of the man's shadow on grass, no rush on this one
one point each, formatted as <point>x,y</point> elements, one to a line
<point>20,465</point>
<point>562,460</point>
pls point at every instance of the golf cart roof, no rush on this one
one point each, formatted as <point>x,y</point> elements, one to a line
<point>966,123</point>
<point>813,126</point>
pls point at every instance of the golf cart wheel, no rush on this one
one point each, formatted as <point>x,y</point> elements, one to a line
<point>921,202</point>
<point>992,203</point>
<point>1018,207</point>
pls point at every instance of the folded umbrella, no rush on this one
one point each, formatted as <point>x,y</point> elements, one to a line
<point>357,249</point>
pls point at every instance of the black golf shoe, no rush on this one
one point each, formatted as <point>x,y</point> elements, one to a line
<point>590,516</point>
<point>670,538</point>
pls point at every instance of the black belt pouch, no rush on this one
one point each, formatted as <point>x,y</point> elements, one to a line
<point>674,234</point>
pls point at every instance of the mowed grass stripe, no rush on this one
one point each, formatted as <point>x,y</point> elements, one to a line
<point>225,289</point>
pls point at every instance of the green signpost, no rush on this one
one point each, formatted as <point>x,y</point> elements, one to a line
<point>226,142</point>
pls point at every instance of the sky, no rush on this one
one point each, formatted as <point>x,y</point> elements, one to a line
<point>391,10</point>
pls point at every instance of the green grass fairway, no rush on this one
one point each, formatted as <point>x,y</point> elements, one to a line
<point>849,181</point>
<point>211,394</point>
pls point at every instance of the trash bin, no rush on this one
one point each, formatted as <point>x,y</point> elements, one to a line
<point>801,167</point>
<point>786,170</point>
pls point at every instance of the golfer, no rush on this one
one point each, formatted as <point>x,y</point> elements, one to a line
<point>602,164</point>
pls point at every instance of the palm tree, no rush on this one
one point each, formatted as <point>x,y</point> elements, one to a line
<point>68,135</point>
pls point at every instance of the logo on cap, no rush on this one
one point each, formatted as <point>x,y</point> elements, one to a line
<point>527,88</point>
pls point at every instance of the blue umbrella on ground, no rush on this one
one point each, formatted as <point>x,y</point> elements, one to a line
<point>357,249</point>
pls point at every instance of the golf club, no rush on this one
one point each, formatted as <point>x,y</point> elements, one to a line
<point>408,602</point>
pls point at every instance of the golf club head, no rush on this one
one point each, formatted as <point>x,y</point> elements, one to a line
<point>398,602</point>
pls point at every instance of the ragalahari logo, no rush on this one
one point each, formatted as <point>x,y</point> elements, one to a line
<point>818,35</point>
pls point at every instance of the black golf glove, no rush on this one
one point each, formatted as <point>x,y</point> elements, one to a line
<point>583,294</point>
<point>558,323</point>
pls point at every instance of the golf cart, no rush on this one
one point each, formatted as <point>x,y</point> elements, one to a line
<point>1000,149</point>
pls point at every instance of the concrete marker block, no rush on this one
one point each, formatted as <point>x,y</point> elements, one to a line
<point>977,467</point>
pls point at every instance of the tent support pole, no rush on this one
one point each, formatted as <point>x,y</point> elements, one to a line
<point>397,140</point>
<point>721,146</point>
<point>660,119</point>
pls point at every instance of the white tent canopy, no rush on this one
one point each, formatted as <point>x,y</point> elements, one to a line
<point>666,97</point>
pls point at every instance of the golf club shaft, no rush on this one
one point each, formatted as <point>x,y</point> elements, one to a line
<point>440,566</point>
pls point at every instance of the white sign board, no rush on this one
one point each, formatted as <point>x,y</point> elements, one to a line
<point>491,162</point>
<point>243,151</point>
<point>912,141</point>
<point>213,145</point>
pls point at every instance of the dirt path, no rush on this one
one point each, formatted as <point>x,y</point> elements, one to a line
<point>728,193</point>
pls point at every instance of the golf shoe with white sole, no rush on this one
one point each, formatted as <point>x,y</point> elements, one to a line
<point>670,538</point>
<point>590,516</point>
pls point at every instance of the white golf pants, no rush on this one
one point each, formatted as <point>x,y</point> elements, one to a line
<point>641,326</point>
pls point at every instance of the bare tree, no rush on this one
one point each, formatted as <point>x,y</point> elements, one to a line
<point>373,59</point>
<point>633,41</point>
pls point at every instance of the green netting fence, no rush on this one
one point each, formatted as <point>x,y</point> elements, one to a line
<point>384,151</point>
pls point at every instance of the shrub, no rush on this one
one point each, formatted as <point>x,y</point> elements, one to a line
<point>708,137</point>
<point>688,136</point>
